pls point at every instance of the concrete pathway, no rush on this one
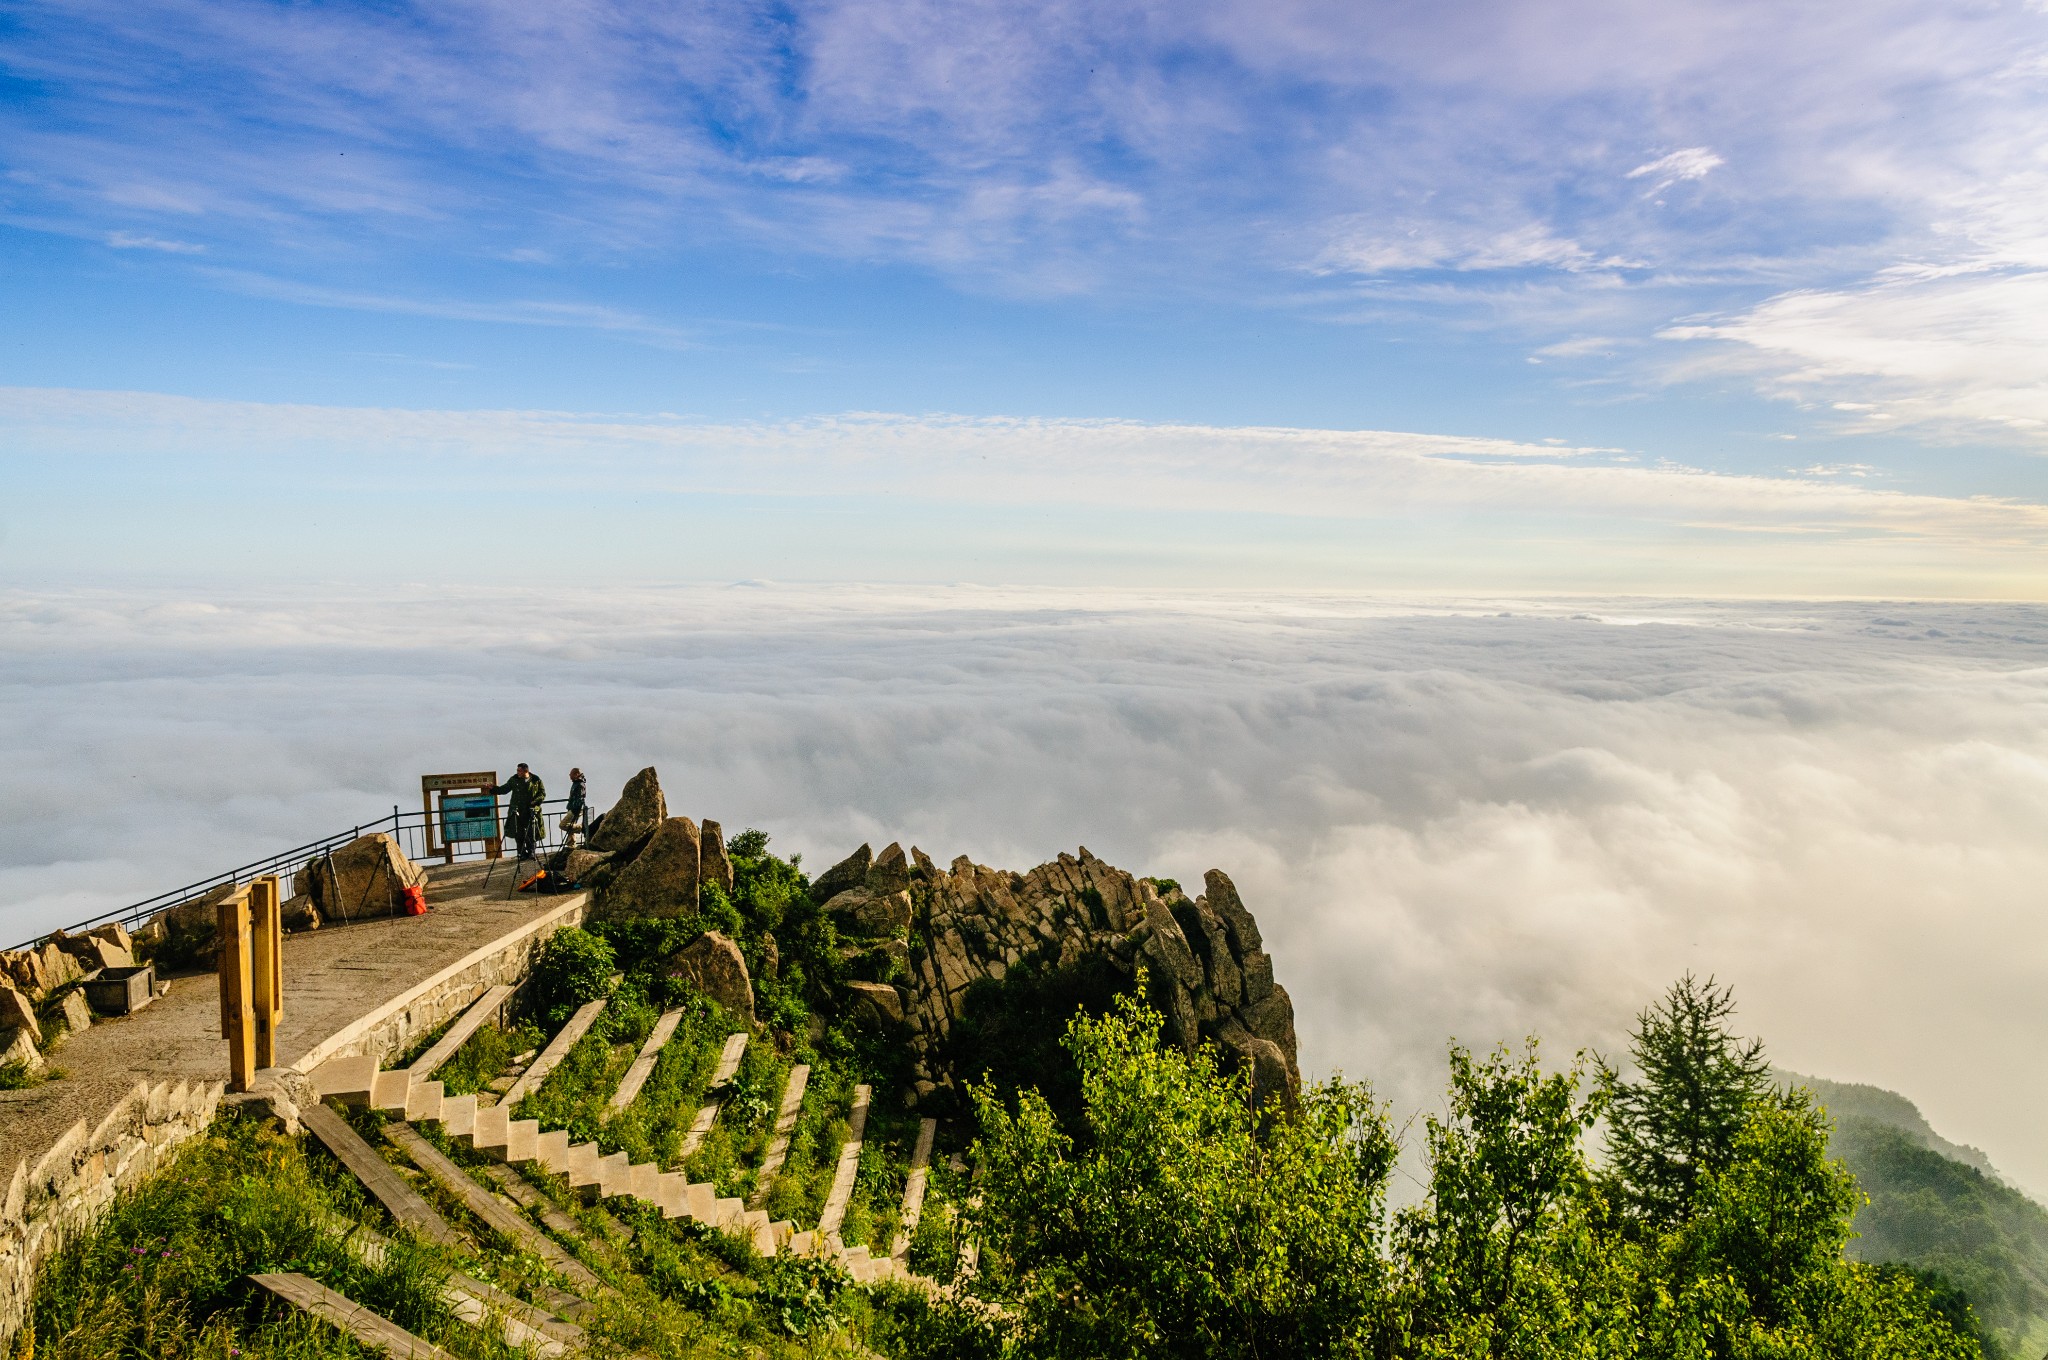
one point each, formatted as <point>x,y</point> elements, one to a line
<point>332,977</point>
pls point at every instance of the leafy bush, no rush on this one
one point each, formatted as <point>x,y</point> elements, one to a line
<point>575,968</point>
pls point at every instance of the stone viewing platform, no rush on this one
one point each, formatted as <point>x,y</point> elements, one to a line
<point>136,1085</point>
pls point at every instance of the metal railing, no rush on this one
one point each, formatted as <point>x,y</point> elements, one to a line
<point>408,829</point>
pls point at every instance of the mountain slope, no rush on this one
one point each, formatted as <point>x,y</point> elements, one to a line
<point>1939,1206</point>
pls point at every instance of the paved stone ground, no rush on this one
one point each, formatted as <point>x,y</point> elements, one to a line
<point>331,976</point>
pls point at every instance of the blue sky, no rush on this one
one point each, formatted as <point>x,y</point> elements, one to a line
<point>1750,295</point>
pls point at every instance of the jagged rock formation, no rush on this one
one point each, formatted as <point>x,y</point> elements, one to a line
<point>1207,964</point>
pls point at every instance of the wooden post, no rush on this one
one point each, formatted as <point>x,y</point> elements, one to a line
<point>267,966</point>
<point>237,1000</point>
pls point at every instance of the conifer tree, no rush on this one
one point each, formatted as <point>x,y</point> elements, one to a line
<point>1678,1122</point>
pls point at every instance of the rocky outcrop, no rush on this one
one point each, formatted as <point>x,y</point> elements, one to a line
<point>1206,962</point>
<point>38,972</point>
<point>878,905</point>
<point>640,809</point>
<point>662,879</point>
<point>713,964</point>
<point>715,866</point>
<point>851,872</point>
<point>366,877</point>
<point>17,1013</point>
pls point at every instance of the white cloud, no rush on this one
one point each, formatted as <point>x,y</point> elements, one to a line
<point>1478,818</point>
<point>1952,353</point>
<point>1694,162</point>
<point>1104,463</point>
<point>128,240</point>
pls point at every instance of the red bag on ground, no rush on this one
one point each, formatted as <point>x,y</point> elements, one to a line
<point>416,900</point>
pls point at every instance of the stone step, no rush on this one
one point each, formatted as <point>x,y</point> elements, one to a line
<point>615,1175</point>
<point>584,1172</point>
<point>488,1134</point>
<point>805,1244</point>
<point>389,1090</point>
<point>458,1116</point>
<point>347,1080</point>
<point>373,1330</point>
<point>423,1101</point>
<point>729,1059</point>
<point>785,1233</point>
<point>700,1202</point>
<point>914,1188</point>
<point>643,1182</point>
<point>668,1195</point>
<point>522,1142</point>
<point>551,1150</point>
<point>760,1231</point>
<point>729,1214</point>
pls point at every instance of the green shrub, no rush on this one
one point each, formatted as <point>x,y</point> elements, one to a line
<point>575,968</point>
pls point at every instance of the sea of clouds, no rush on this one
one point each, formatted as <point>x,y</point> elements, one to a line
<point>1472,819</point>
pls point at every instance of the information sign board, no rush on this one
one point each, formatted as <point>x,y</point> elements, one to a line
<point>468,817</point>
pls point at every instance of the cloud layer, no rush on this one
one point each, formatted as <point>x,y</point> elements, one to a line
<point>1479,819</point>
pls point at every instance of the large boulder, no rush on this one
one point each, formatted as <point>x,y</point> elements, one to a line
<point>662,879</point>
<point>714,965</point>
<point>862,913</point>
<point>877,1003</point>
<point>16,1012</point>
<point>851,872</point>
<point>366,877</point>
<point>40,971</point>
<point>17,1047</point>
<point>715,866</point>
<point>640,809</point>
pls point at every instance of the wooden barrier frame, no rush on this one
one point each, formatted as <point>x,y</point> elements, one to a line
<point>475,781</point>
<point>250,942</point>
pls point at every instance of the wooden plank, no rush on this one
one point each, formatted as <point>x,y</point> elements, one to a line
<point>729,1060</point>
<point>470,1297</point>
<point>643,1066</point>
<point>459,1033</point>
<point>376,1332</point>
<point>520,1192</point>
<point>499,1216</point>
<point>557,1049</point>
<point>913,1189</point>
<point>792,1104</point>
<point>843,1175</point>
<point>377,1175</point>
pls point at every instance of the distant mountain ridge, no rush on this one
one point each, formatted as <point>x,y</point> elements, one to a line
<point>1845,1099</point>
<point>1942,1207</point>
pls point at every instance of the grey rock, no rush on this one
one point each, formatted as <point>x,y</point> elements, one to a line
<point>641,808</point>
<point>1223,900</point>
<point>579,864</point>
<point>662,879</point>
<point>716,868</point>
<point>771,956</point>
<point>714,965</point>
<point>876,1002</point>
<point>851,872</point>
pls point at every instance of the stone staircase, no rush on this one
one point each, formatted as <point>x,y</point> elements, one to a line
<point>491,1130</point>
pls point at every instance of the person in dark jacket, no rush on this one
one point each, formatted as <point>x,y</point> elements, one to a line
<point>577,812</point>
<point>522,818</point>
